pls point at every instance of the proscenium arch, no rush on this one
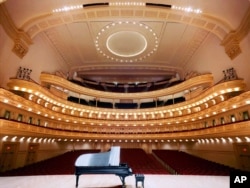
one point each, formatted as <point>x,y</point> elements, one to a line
<point>216,26</point>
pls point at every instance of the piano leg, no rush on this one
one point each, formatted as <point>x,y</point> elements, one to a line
<point>77,178</point>
<point>123,180</point>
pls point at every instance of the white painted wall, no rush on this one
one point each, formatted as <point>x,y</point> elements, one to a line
<point>212,58</point>
<point>40,57</point>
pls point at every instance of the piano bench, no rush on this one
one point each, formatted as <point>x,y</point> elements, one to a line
<point>139,178</point>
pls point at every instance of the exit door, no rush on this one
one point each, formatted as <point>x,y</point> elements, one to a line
<point>8,158</point>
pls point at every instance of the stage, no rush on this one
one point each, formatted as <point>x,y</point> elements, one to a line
<point>112,181</point>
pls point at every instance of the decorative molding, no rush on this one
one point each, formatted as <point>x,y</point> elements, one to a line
<point>78,120</point>
<point>214,25</point>
<point>232,47</point>
<point>202,80</point>
<point>145,41</point>
<point>232,40</point>
<point>21,39</point>
<point>20,48</point>
<point>244,27</point>
<point>24,129</point>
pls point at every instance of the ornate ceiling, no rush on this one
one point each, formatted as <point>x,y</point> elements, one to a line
<point>124,41</point>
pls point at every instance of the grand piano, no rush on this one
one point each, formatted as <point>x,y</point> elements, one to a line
<point>102,163</point>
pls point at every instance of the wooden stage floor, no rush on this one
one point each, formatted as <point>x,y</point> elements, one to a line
<point>112,181</point>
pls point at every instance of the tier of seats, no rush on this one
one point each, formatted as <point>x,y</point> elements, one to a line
<point>102,104</point>
<point>141,162</point>
<point>126,88</point>
<point>186,164</point>
<point>137,159</point>
<point>59,165</point>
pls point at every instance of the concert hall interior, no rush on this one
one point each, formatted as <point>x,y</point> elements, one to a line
<point>166,80</point>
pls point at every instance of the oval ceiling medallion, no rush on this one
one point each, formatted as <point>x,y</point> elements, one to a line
<point>119,43</point>
<point>126,41</point>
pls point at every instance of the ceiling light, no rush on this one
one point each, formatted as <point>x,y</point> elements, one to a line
<point>223,140</point>
<point>247,139</point>
<point>30,97</point>
<point>67,8</point>
<point>5,100</point>
<point>116,48</point>
<point>187,9</point>
<point>5,138</point>
<point>222,97</point>
<point>230,139</point>
<point>126,4</point>
<point>238,139</point>
<point>215,94</point>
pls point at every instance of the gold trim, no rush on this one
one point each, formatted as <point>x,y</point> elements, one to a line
<point>156,116</point>
<point>232,130</point>
<point>232,40</point>
<point>21,39</point>
<point>212,24</point>
<point>205,80</point>
<point>20,48</point>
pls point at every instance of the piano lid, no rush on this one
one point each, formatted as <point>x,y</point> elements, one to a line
<point>110,158</point>
<point>114,158</point>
